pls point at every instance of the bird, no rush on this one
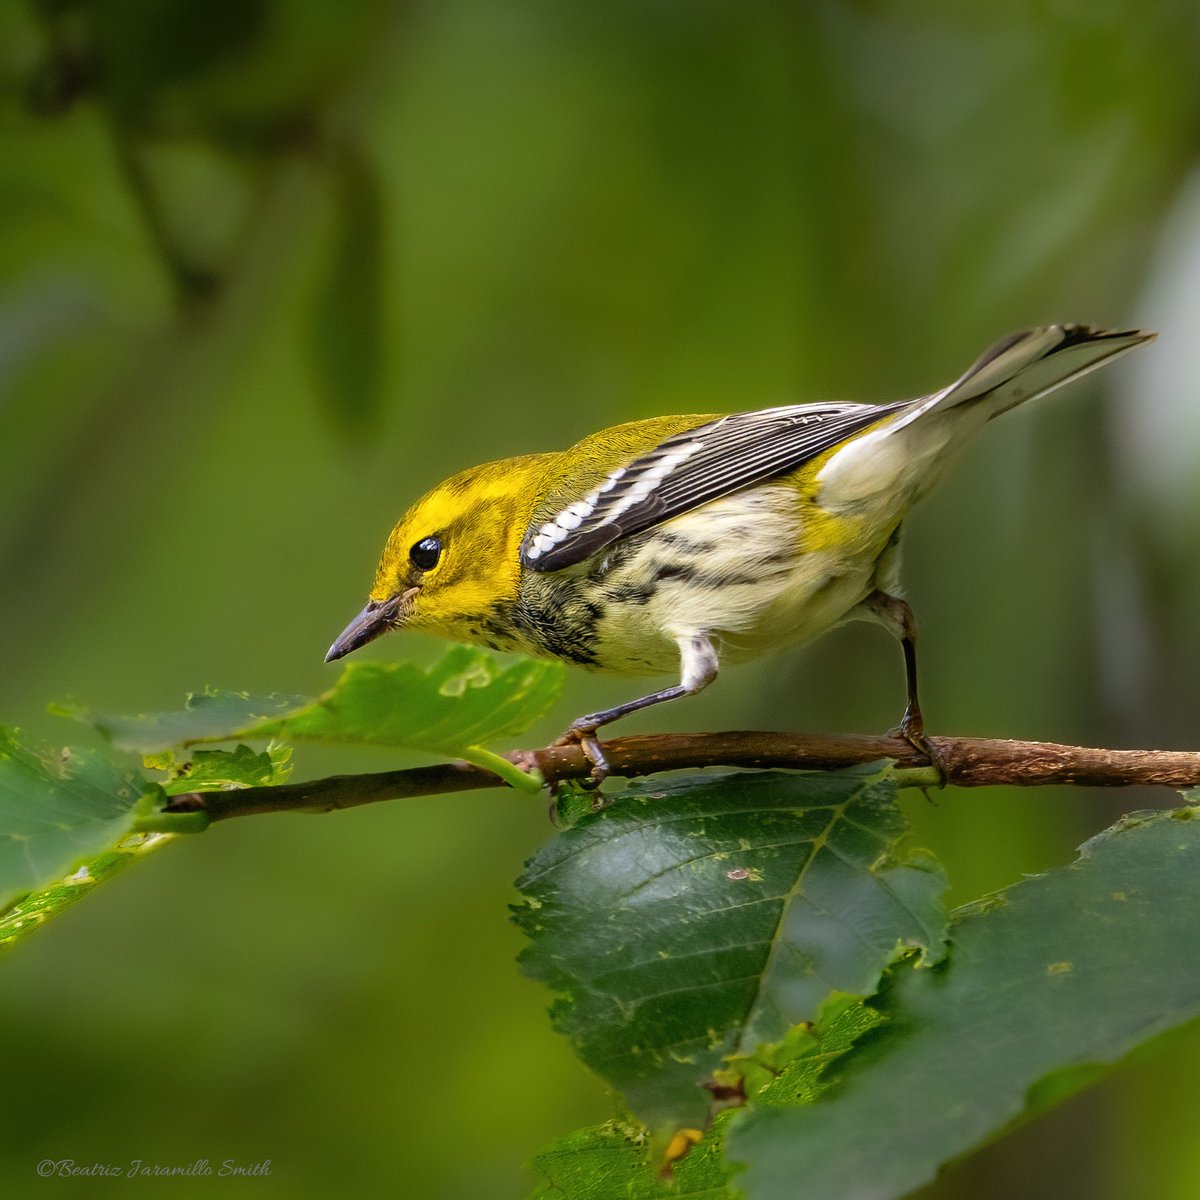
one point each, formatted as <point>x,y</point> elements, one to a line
<point>675,544</point>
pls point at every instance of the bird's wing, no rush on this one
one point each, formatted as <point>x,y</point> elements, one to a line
<point>690,469</point>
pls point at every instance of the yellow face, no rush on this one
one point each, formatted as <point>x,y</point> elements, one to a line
<point>453,557</point>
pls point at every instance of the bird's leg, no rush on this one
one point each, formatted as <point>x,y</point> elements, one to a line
<point>895,615</point>
<point>698,668</point>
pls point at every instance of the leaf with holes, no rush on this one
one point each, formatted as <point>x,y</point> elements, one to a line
<point>217,770</point>
<point>58,809</point>
<point>616,1159</point>
<point>694,921</point>
<point>619,1159</point>
<point>463,700</point>
<point>71,820</point>
<point>31,912</point>
<point>1050,982</point>
<point>213,715</point>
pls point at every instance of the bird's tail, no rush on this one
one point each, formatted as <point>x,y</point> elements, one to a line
<point>897,461</point>
<point>1026,365</point>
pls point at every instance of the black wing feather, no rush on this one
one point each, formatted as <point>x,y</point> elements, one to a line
<point>690,469</point>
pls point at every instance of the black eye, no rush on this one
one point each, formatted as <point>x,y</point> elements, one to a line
<point>425,554</point>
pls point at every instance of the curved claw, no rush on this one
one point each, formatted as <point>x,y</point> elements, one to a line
<point>912,730</point>
<point>585,736</point>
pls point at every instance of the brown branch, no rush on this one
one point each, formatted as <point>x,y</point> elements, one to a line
<point>965,762</point>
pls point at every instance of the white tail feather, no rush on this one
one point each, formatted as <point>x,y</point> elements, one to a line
<point>1028,365</point>
<point>894,463</point>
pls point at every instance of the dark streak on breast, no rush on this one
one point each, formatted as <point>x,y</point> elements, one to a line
<point>552,615</point>
<point>692,573</point>
<point>631,593</point>
<point>685,544</point>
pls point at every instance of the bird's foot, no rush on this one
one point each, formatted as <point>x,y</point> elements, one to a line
<point>583,734</point>
<point>912,730</point>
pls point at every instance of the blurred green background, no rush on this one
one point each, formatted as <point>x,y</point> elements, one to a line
<point>271,268</point>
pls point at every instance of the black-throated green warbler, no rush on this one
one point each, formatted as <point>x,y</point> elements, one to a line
<point>676,543</point>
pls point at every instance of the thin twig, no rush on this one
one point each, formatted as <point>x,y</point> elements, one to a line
<point>965,762</point>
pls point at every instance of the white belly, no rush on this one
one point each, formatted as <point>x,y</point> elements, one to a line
<point>733,570</point>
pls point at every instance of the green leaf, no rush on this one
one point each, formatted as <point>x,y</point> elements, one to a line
<point>463,700</point>
<point>1047,982</point>
<point>59,809</point>
<point>210,770</point>
<point>795,1069</point>
<point>616,1160</point>
<point>70,820</point>
<point>37,908</point>
<point>696,920</point>
<point>212,715</point>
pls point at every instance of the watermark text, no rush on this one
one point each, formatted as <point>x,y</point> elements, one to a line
<point>141,1168</point>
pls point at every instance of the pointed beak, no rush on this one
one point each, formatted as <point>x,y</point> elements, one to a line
<point>378,617</point>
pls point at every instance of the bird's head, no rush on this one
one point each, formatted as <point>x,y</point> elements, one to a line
<point>452,560</point>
